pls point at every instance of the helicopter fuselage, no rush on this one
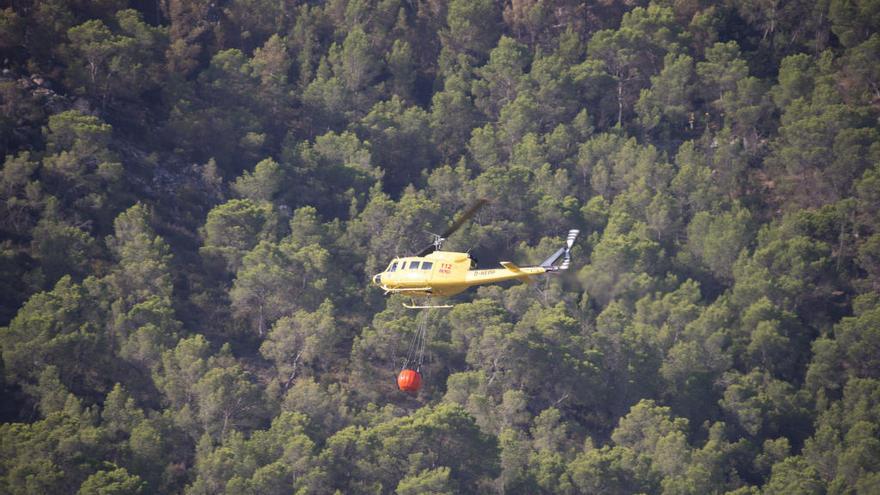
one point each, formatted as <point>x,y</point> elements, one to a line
<point>446,273</point>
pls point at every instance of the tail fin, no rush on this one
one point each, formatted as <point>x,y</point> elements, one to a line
<point>548,263</point>
<point>564,252</point>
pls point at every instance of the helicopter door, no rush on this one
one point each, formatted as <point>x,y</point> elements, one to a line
<point>427,270</point>
<point>410,271</point>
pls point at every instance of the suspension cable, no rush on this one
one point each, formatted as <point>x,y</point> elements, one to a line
<point>416,354</point>
<point>423,329</point>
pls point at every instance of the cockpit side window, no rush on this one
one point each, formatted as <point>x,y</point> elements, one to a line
<point>427,265</point>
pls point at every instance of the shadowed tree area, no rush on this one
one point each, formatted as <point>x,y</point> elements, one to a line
<point>194,196</point>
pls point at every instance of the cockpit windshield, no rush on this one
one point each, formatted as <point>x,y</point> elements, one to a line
<point>392,267</point>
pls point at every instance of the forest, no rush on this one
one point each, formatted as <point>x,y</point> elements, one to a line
<point>195,195</point>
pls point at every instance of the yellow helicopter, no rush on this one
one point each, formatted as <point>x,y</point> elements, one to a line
<point>435,273</point>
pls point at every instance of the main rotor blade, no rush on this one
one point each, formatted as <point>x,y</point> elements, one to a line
<point>430,248</point>
<point>464,217</point>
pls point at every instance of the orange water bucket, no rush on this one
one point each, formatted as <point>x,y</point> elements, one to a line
<point>409,380</point>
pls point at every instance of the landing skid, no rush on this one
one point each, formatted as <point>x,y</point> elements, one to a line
<point>415,305</point>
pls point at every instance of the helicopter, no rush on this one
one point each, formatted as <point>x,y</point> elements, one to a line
<point>435,273</point>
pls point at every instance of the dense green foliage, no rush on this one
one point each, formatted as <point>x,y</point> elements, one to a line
<point>195,193</point>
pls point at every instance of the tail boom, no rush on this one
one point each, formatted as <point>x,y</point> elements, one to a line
<point>509,272</point>
<point>526,273</point>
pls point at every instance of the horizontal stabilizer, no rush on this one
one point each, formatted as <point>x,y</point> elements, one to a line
<point>525,277</point>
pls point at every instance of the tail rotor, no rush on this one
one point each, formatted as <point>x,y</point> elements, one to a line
<point>563,252</point>
<point>569,242</point>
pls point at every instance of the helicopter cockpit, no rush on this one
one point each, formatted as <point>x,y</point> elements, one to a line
<point>404,264</point>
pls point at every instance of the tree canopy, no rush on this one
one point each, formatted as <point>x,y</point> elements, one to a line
<point>194,196</point>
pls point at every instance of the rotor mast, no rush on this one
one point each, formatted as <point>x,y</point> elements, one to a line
<point>440,239</point>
